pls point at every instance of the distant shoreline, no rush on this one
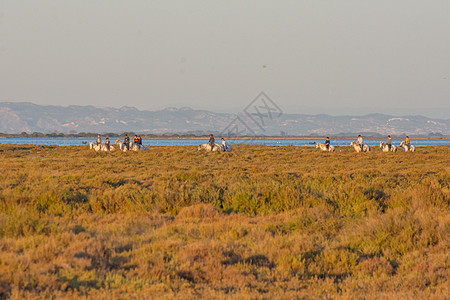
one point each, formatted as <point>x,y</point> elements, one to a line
<point>236,137</point>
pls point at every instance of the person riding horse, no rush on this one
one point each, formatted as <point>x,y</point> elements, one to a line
<point>389,142</point>
<point>126,142</point>
<point>211,141</point>
<point>107,144</point>
<point>327,143</point>
<point>224,145</point>
<point>360,142</point>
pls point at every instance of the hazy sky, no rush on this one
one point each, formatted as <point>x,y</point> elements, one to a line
<point>317,56</point>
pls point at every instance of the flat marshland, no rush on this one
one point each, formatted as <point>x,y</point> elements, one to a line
<point>260,222</point>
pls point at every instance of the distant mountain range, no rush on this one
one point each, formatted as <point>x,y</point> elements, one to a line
<point>255,119</point>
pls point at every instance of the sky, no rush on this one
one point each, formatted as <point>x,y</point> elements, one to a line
<point>339,57</point>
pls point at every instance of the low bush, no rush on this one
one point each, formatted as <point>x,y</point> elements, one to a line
<point>263,222</point>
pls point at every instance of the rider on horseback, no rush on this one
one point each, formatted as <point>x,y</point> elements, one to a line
<point>360,142</point>
<point>126,142</point>
<point>224,145</point>
<point>107,144</point>
<point>407,143</point>
<point>327,143</point>
<point>211,141</point>
<point>389,142</point>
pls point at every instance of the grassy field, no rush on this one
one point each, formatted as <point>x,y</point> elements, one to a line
<point>261,222</point>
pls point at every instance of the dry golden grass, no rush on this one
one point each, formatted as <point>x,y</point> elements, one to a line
<point>261,222</point>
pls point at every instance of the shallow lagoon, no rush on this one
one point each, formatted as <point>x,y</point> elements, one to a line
<point>230,141</point>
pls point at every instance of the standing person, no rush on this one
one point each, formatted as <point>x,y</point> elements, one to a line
<point>136,140</point>
<point>99,140</point>
<point>407,142</point>
<point>107,144</point>
<point>360,142</point>
<point>126,142</point>
<point>327,143</point>
<point>224,145</point>
<point>211,141</point>
<point>389,142</point>
<point>139,140</point>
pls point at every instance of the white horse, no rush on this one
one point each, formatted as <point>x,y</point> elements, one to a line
<point>132,147</point>
<point>95,147</point>
<point>123,147</point>
<point>406,148</point>
<point>324,148</point>
<point>365,148</point>
<point>137,147</point>
<point>385,147</point>
<point>207,147</point>
<point>119,145</point>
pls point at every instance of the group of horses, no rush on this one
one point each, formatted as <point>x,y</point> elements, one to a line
<point>216,147</point>
<point>366,148</point>
<point>118,145</point>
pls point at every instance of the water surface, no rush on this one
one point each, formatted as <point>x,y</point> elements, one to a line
<point>230,141</point>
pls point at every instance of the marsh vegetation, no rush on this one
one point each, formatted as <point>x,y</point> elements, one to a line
<point>260,222</point>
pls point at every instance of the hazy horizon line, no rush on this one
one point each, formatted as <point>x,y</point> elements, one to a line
<point>293,110</point>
